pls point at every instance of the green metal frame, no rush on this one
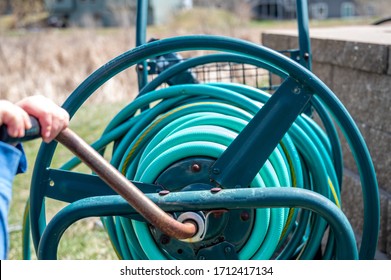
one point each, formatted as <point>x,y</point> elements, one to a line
<point>263,133</point>
<point>201,200</point>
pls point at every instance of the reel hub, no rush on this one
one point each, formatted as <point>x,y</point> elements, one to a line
<point>221,233</point>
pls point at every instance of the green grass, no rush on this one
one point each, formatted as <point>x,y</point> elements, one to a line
<point>85,239</point>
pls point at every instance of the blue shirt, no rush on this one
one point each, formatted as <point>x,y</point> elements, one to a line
<point>12,162</point>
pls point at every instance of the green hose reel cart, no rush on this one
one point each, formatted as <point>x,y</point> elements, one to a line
<point>233,171</point>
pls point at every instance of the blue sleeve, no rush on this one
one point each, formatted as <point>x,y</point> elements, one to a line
<point>12,162</point>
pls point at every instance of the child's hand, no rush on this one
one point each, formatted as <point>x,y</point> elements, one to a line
<point>15,118</point>
<point>52,118</point>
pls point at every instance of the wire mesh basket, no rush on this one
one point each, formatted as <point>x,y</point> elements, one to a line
<point>216,72</point>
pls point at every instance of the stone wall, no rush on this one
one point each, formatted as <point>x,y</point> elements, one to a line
<point>355,63</point>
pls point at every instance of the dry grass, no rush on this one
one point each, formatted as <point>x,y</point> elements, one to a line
<point>54,62</point>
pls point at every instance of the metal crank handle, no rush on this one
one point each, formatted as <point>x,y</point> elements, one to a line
<point>137,199</point>
<point>33,133</point>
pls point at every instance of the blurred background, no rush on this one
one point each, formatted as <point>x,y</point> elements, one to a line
<point>50,46</point>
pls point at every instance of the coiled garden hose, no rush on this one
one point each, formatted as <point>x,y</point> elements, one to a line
<point>202,125</point>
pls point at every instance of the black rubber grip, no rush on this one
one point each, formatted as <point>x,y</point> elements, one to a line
<point>33,133</point>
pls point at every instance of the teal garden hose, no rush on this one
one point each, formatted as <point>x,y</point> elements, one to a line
<point>205,128</point>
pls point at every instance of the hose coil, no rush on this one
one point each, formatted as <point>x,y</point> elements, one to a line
<point>201,121</point>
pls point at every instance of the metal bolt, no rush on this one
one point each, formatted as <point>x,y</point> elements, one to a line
<point>140,67</point>
<point>164,192</point>
<point>215,190</point>
<point>216,171</point>
<point>196,167</point>
<point>296,90</point>
<point>164,239</point>
<point>51,183</point>
<point>227,250</point>
<point>201,257</point>
<point>244,216</point>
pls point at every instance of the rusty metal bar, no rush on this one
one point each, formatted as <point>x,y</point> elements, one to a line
<point>137,199</point>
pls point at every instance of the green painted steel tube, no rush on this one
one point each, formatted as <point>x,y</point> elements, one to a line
<point>141,33</point>
<point>304,37</point>
<point>200,200</point>
<point>26,254</point>
<point>268,126</point>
